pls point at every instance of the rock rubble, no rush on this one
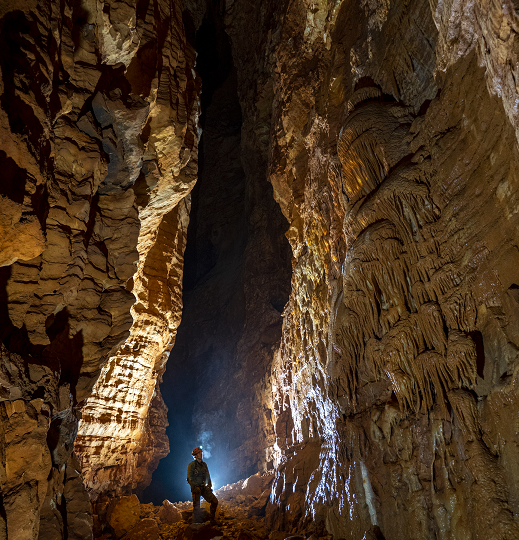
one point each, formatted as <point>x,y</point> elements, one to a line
<point>242,515</point>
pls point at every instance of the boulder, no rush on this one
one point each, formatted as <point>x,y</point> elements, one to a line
<point>169,513</point>
<point>187,515</point>
<point>201,531</point>
<point>246,535</point>
<point>123,515</point>
<point>254,485</point>
<point>147,529</point>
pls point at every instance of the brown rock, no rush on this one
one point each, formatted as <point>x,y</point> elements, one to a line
<point>162,182</point>
<point>187,515</point>
<point>246,535</point>
<point>88,163</point>
<point>169,513</point>
<point>26,466</point>
<point>147,529</point>
<point>123,514</point>
<point>79,510</point>
<point>254,485</point>
<point>277,535</point>
<point>201,531</point>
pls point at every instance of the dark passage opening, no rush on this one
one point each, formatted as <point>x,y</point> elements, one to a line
<point>219,264</point>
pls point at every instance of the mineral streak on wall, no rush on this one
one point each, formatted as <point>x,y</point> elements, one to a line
<point>98,154</point>
<point>394,158</point>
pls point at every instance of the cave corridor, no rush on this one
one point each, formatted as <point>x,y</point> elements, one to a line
<point>217,271</point>
<point>284,230</point>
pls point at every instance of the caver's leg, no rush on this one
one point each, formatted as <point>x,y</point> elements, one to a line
<point>196,492</point>
<point>210,497</point>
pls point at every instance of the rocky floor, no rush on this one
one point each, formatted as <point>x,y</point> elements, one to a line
<point>240,516</point>
<point>231,522</point>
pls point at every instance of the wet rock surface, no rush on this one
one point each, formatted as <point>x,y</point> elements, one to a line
<point>402,251</point>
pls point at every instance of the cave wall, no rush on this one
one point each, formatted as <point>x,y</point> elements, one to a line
<point>98,146</point>
<point>394,158</point>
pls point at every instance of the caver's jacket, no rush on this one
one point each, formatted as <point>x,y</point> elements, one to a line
<point>198,474</point>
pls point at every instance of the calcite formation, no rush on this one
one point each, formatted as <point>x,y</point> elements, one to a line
<point>122,433</point>
<point>396,165</point>
<point>98,146</point>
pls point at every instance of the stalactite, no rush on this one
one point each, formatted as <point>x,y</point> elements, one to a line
<point>404,201</point>
<point>392,274</point>
<point>432,376</point>
<point>363,94</point>
<point>418,374</point>
<point>348,344</point>
<point>367,166</point>
<point>403,387</point>
<point>461,359</point>
<point>420,293</point>
<point>431,324</point>
<point>369,144</point>
<point>376,265</point>
<point>459,310</point>
<point>365,310</point>
<point>396,350</point>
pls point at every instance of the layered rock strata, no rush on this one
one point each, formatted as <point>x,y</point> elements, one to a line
<point>122,434</point>
<point>98,149</point>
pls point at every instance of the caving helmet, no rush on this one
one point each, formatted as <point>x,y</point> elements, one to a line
<point>196,450</point>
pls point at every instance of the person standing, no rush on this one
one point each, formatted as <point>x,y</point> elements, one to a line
<point>200,481</point>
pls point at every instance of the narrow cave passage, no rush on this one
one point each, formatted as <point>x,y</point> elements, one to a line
<point>220,267</point>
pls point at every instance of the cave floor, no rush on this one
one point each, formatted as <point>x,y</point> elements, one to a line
<point>243,514</point>
<point>232,522</point>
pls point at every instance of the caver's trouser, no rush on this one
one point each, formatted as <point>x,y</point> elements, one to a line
<point>208,495</point>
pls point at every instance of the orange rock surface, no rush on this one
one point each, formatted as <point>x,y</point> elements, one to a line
<point>98,148</point>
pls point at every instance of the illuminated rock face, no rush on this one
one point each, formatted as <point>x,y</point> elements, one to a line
<point>98,152</point>
<point>396,380</point>
<point>122,433</point>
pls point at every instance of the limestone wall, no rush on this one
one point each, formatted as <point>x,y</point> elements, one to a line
<point>394,157</point>
<point>98,151</point>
